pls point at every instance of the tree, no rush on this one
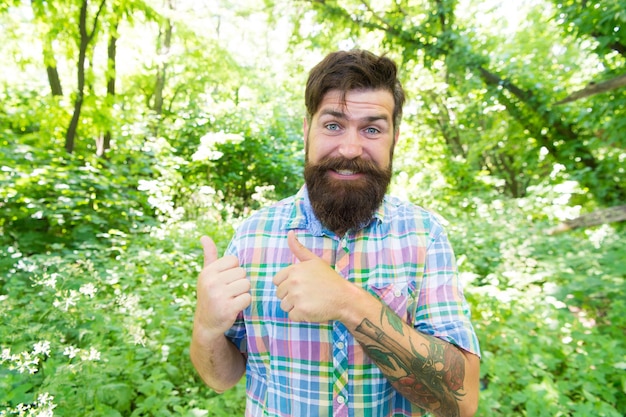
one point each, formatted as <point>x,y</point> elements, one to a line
<point>430,32</point>
<point>164,44</point>
<point>39,12</point>
<point>103,145</point>
<point>87,31</point>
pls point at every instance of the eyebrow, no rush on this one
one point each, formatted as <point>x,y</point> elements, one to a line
<point>342,115</point>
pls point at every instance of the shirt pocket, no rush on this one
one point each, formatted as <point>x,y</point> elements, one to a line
<point>397,295</point>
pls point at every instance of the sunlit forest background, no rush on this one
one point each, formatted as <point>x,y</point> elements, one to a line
<point>129,128</point>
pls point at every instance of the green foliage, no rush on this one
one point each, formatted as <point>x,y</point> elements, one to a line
<point>66,201</point>
<point>99,254</point>
<point>598,19</point>
<point>240,174</point>
<point>108,336</point>
<point>489,91</point>
<point>246,156</point>
<point>547,309</point>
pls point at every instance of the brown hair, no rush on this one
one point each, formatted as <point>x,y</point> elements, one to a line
<point>353,70</point>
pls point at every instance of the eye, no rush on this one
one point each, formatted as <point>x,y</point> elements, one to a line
<point>372,131</point>
<point>332,126</point>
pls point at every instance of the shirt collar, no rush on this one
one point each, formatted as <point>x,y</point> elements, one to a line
<point>303,217</point>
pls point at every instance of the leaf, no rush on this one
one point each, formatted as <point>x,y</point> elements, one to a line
<point>394,320</point>
<point>117,395</point>
<point>380,357</point>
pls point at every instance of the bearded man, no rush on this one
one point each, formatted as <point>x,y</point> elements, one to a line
<point>340,300</point>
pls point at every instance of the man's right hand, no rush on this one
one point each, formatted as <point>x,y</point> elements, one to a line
<point>223,291</point>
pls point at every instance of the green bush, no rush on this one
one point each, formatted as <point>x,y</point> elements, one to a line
<point>548,309</point>
<point>50,201</point>
<point>103,335</point>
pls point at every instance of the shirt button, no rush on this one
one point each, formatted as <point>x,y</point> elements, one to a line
<point>341,400</point>
<point>397,293</point>
<point>340,345</point>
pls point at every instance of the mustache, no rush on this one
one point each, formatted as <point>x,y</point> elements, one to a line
<point>358,165</point>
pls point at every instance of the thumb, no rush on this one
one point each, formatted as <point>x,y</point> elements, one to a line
<point>209,249</point>
<point>302,253</point>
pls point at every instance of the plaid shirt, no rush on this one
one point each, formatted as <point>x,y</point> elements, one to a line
<point>317,369</point>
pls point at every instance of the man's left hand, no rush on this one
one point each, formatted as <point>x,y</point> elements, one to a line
<point>310,290</point>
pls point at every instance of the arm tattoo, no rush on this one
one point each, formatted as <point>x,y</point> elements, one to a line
<point>433,381</point>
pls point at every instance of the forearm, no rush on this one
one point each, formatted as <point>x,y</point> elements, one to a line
<point>428,371</point>
<point>218,361</point>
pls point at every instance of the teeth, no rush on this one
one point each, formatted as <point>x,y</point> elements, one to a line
<point>345,172</point>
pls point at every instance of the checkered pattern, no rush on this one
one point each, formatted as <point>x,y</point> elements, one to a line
<point>318,369</point>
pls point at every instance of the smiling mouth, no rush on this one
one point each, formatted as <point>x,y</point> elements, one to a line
<point>345,172</point>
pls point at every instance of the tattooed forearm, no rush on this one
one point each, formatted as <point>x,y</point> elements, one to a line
<point>433,381</point>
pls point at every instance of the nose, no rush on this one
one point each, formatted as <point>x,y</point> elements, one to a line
<point>351,147</point>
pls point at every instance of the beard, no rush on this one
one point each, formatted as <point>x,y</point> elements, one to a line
<point>342,205</point>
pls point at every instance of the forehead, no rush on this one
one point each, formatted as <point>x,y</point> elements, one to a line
<point>357,103</point>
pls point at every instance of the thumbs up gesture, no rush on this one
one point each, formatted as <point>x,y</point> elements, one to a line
<point>222,291</point>
<point>310,290</point>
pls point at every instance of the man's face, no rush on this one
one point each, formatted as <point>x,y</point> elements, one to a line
<point>349,149</point>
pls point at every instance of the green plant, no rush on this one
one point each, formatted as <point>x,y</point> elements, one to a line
<point>107,335</point>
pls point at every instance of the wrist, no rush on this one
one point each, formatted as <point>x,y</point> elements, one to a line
<point>357,305</point>
<point>205,335</point>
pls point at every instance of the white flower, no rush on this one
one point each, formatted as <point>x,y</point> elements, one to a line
<point>112,277</point>
<point>24,362</point>
<point>128,303</point>
<point>44,412</point>
<point>92,355</point>
<point>165,351</point>
<point>5,355</point>
<point>48,280</point>
<point>51,280</point>
<point>138,334</point>
<point>88,289</point>
<point>44,399</point>
<point>71,351</point>
<point>68,301</point>
<point>45,405</point>
<point>26,267</point>
<point>42,348</point>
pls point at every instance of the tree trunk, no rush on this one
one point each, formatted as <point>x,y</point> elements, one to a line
<point>448,126</point>
<point>54,81</point>
<point>163,51</point>
<point>70,135</point>
<point>85,39</point>
<point>51,68</point>
<point>111,76</point>
<point>49,59</point>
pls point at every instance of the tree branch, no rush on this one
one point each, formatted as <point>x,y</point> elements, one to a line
<point>595,88</point>
<point>607,215</point>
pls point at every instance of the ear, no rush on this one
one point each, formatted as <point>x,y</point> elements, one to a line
<point>397,136</point>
